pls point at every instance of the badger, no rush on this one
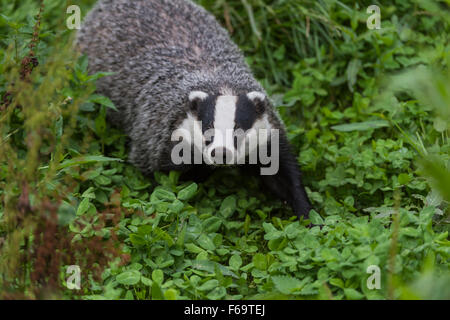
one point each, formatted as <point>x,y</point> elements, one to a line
<point>175,69</point>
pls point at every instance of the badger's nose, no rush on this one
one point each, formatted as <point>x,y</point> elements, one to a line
<point>221,154</point>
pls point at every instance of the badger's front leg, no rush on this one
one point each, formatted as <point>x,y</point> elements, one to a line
<point>286,182</point>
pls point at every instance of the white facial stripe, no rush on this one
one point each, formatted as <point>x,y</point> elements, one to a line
<point>256,95</point>
<point>197,95</point>
<point>224,121</point>
<point>193,130</point>
<point>225,112</point>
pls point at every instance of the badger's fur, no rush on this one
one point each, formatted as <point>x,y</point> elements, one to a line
<point>173,65</point>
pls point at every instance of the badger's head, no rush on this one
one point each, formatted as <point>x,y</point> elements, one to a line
<point>226,129</point>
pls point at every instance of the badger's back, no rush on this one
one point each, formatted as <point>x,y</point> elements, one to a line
<point>159,50</point>
<point>183,32</point>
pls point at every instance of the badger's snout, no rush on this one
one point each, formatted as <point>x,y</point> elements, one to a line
<point>222,155</point>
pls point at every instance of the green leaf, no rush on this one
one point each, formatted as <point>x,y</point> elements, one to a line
<point>137,240</point>
<point>352,72</point>
<point>260,261</point>
<point>235,262</point>
<point>292,230</point>
<point>228,206</point>
<point>163,194</point>
<point>315,218</point>
<point>205,242</point>
<point>271,232</point>
<point>361,126</point>
<point>287,285</point>
<point>176,206</point>
<point>99,75</point>
<point>102,180</point>
<point>208,285</point>
<point>210,267</point>
<point>212,224</point>
<point>161,234</point>
<point>84,160</point>
<point>352,294</point>
<point>440,125</point>
<point>337,282</point>
<point>188,192</point>
<point>83,206</point>
<point>130,277</point>
<point>193,248</point>
<point>158,276</point>
<point>102,100</point>
<point>170,294</point>
<point>217,293</point>
<point>404,178</point>
<point>89,193</point>
<point>146,281</point>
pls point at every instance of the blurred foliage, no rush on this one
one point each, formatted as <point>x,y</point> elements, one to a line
<point>368,113</point>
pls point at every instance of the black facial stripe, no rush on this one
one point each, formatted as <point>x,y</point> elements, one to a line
<point>246,113</point>
<point>206,112</point>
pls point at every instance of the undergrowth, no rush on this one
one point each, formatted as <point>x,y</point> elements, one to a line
<point>367,111</point>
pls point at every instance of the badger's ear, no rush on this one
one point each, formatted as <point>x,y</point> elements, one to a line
<point>259,99</point>
<point>195,97</point>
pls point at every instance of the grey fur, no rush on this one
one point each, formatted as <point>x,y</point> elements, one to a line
<point>160,50</point>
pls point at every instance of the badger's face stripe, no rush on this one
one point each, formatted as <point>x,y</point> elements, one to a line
<point>200,95</point>
<point>191,131</point>
<point>255,95</point>
<point>227,122</point>
<point>224,123</point>
<point>206,112</point>
<point>225,113</point>
<point>246,113</point>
